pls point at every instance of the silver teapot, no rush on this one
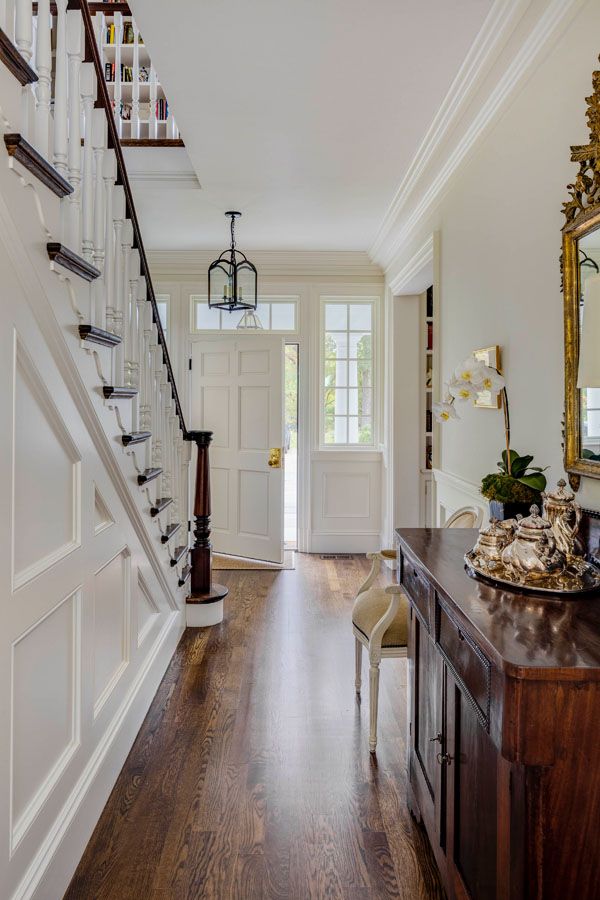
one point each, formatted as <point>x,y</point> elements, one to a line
<point>564,514</point>
<point>492,541</point>
<point>534,551</point>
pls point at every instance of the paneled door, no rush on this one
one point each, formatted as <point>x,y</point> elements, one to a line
<point>237,393</point>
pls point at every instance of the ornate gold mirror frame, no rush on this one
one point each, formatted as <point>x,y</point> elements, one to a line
<point>582,214</point>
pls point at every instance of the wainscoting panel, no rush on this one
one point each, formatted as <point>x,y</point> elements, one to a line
<point>346,502</point>
<point>451,493</point>
<point>46,476</point>
<point>111,626</point>
<point>147,609</point>
<point>45,713</point>
<point>103,518</point>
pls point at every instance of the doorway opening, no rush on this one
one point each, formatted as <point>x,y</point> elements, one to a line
<point>290,507</point>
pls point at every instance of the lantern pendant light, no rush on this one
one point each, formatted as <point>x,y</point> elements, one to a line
<point>232,278</point>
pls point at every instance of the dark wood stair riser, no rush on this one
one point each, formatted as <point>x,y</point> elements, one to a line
<point>95,335</point>
<point>34,162</point>
<point>179,554</point>
<point>119,393</point>
<point>14,62</point>
<point>136,437</point>
<point>161,503</point>
<point>68,259</point>
<point>149,475</point>
<point>168,534</point>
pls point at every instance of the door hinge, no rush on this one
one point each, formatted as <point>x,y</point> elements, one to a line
<point>190,363</point>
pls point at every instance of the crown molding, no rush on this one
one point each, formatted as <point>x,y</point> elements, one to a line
<point>283,263</point>
<point>423,257</point>
<point>427,178</point>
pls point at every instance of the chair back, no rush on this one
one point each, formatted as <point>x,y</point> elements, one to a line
<point>465,517</point>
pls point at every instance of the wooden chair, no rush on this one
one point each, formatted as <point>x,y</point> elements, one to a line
<point>380,619</point>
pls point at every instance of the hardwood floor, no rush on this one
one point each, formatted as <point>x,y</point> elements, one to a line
<point>251,775</point>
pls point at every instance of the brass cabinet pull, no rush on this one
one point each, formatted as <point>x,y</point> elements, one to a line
<point>437,738</point>
<point>444,759</point>
<point>275,457</point>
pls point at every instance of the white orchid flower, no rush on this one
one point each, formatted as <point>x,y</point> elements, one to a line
<point>464,390</point>
<point>491,381</point>
<point>444,411</point>
<point>471,371</point>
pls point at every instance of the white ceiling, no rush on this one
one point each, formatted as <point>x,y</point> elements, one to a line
<point>304,115</point>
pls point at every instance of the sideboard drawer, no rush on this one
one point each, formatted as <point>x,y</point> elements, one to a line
<point>467,662</point>
<point>418,589</point>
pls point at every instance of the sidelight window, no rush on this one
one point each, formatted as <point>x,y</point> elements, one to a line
<point>347,371</point>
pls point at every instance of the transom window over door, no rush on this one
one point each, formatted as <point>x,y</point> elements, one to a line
<point>274,313</point>
<point>347,371</point>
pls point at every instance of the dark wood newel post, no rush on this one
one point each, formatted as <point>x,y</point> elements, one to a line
<point>202,588</point>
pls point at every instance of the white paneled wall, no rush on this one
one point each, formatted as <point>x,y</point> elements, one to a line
<point>91,611</point>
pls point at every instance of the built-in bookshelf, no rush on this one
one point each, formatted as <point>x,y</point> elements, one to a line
<point>141,108</point>
<point>428,426</point>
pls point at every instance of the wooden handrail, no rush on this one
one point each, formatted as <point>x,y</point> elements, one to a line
<point>92,55</point>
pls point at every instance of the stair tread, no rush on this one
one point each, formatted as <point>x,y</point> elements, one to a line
<point>96,335</point>
<point>185,574</point>
<point>14,62</point>
<point>70,260</point>
<point>149,475</point>
<point>136,437</point>
<point>34,162</point>
<point>119,393</point>
<point>160,504</point>
<point>179,553</point>
<point>169,532</point>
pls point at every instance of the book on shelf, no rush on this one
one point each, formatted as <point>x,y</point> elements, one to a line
<point>428,420</point>
<point>162,110</point>
<point>126,74</point>
<point>110,34</point>
<point>109,71</point>
<point>128,33</point>
<point>430,335</point>
<point>429,303</point>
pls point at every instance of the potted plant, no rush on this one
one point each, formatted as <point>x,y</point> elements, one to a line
<point>515,487</point>
<point>517,484</point>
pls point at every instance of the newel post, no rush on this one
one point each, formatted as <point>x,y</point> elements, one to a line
<point>205,603</point>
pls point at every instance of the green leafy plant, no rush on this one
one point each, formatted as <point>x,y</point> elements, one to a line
<point>517,481</point>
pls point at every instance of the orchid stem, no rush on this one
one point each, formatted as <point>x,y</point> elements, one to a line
<point>506,428</point>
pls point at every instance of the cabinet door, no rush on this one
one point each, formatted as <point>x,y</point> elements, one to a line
<point>427,672</point>
<point>471,774</point>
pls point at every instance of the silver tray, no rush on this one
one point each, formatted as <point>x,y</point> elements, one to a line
<point>579,577</point>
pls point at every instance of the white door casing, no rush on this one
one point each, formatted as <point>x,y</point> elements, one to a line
<point>237,393</point>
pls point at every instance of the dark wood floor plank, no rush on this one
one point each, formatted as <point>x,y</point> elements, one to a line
<point>250,778</point>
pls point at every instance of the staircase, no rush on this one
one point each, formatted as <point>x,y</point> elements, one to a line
<point>93,424</point>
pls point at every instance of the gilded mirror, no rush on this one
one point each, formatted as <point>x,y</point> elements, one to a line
<point>581,285</point>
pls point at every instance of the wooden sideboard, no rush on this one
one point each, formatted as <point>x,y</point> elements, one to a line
<point>504,712</point>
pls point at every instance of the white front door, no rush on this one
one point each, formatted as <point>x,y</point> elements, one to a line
<point>237,393</point>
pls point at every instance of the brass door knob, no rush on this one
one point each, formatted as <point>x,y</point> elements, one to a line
<point>437,738</point>
<point>275,457</point>
<point>444,759</point>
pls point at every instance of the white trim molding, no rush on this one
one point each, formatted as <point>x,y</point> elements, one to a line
<point>343,264</point>
<point>452,492</point>
<point>403,283</point>
<point>453,133</point>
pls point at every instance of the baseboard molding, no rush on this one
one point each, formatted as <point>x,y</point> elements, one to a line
<point>55,862</point>
<point>344,543</point>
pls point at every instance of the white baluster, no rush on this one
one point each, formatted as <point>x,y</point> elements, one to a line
<point>75,55</point>
<point>135,89</point>
<point>88,94</point>
<point>61,128</point>
<point>109,174</point>
<point>132,323</point>
<point>124,351</point>
<point>99,140</point>
<point>146,373</point>
<point>119,221</point>
<point>24,29</point>
<point>152,119</point>
<point>43,65</point>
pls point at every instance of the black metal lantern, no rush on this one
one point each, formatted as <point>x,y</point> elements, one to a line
<point>232,278</point>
